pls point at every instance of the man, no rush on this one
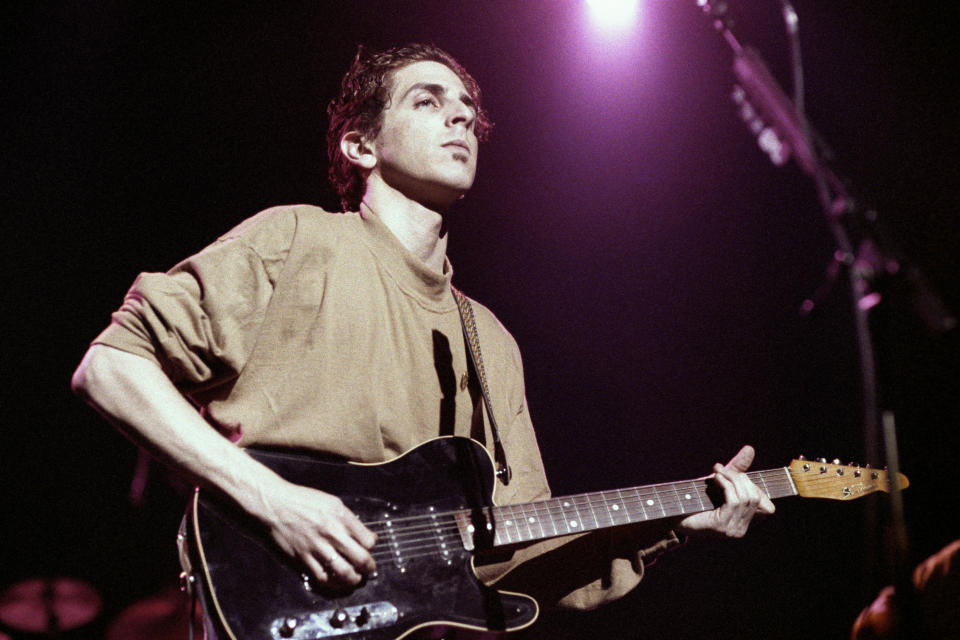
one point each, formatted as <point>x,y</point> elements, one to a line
<point>339,333</point>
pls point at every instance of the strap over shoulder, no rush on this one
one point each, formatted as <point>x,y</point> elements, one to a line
<point>469,324</point>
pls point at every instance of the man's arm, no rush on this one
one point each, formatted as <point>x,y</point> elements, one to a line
<point>137,397</point>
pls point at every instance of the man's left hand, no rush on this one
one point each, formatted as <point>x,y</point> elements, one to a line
<point>743,501</point>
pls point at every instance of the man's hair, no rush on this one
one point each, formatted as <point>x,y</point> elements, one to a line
<point>365,93</point>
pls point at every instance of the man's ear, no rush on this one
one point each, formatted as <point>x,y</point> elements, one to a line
<point>354,146</point>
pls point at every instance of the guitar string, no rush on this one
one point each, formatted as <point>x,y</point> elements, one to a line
<point>558,506</point>
<point>551,512</point>
<point>403,545</point>
<point>550,506</point>
<point>621,496</point>
<point>671,505</point>
<point>401,550</point>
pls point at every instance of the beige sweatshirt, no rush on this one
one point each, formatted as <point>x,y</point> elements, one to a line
<point>317,330</point>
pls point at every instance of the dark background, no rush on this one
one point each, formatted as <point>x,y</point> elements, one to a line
<point>624,226</point>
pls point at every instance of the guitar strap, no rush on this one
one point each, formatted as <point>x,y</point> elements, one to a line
<point>469,325</point>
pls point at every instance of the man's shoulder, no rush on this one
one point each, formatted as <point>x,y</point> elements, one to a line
<point>289,219</point>
<point>491,330</point>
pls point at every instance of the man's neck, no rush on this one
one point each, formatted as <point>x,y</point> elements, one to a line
<point>420,229</point>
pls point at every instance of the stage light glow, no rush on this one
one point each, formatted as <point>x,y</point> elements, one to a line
<point>613,13</point>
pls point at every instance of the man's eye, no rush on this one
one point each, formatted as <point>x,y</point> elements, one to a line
<point>427,101</point>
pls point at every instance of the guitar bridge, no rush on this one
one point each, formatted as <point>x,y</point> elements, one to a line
<point>334,622</point>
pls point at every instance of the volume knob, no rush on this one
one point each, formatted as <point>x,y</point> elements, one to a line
<point>288,627</point>
<point>339,618</point>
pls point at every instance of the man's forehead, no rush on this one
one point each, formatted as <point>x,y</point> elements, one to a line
<point>426,72</point>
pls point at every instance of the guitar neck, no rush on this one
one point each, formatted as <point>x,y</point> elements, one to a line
<point>532,521</point>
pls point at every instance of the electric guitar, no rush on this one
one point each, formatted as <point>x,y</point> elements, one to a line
<point>432,509</point>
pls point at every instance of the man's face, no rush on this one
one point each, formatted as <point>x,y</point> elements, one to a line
<point>426,147</point>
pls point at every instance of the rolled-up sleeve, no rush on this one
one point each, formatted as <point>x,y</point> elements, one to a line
<point>200,320</point>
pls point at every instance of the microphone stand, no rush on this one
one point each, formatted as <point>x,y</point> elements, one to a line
<point>782,131</point>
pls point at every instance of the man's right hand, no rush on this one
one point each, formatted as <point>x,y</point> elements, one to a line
<point>320,531</point>
<point>312,526</point>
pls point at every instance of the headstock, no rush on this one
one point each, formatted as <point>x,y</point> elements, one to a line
<point>835,481</point>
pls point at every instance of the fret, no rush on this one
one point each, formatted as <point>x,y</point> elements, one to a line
<point>659,501</point>
<point>571,516</point>
<point>514,523</point>
<point>790,483</point>
<point>549,512</point>
<point>672,505</point>
<point>623,507</point>
<point>781,481</point>
<point>577,502</point>
<point>608,518</point>
<point>643,508</point>
<point>579,505</point>
<point>536,518</point>
<point>679,499</point>
<point>550,515</point>
<point>687,491</point>
<point>497,516</point>
<point>587,501</point>
<point>532,526</point>
<point>598,506</point>
<point>521,526</point>
<point>763,483</point>
<point>616,514</point>
<point>505,526</point>
<point>700,489</point>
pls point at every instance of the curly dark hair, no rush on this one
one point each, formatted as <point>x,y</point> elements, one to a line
<point>365,93</point>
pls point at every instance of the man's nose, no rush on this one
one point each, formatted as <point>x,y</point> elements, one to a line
<point>460,114</point>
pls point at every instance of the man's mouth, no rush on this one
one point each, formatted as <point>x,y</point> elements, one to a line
<point>459,144</point>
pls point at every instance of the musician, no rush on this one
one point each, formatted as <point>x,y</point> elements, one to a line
<point>338,332</point>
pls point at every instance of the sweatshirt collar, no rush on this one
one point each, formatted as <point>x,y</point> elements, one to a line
<point>412,275</point>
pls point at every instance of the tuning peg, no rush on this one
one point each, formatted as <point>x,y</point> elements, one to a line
<point>801,457</point>
<point>822,460</point>
<point>836,461</point>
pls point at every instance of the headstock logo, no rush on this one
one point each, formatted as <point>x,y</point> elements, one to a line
<point>854,489</point>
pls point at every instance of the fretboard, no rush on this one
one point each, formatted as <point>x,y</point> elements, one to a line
<point>517,523</point>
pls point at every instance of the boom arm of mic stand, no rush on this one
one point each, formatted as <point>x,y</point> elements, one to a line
<point>795,134</point>
<point>791,127</point>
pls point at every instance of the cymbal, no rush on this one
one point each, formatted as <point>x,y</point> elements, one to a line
<point>164,616</point>
<point>42,605</point>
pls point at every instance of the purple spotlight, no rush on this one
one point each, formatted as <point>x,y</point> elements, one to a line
<point>613,14</point>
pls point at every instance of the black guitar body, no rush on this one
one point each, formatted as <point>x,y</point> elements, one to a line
<point>253,590</point>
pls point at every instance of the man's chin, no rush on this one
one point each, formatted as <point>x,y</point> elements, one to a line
<point>439,193</point>
<point>446,194</point>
